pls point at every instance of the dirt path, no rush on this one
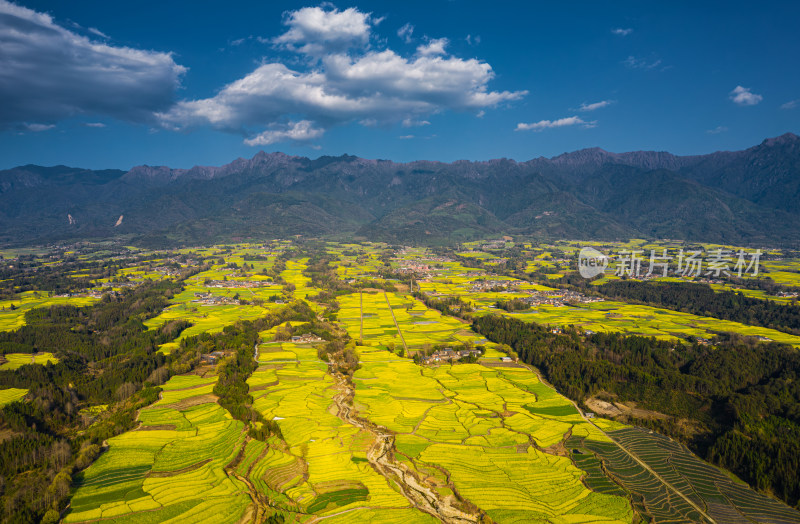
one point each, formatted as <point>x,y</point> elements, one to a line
<point>632,455</point>
<point>403,340</point>
<point>381,457</point>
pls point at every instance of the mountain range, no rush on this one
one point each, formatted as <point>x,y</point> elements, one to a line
<point>744,197</point>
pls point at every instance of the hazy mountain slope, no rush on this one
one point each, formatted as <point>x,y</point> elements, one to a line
<point>748,196</point>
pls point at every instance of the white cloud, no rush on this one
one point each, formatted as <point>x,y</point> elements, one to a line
<point>95,124</point>
<point>791,104</point>
<point>717,130</point>
<point>48,73</point>
<point>36,128</point>
<point>633,62</point>
<point>97,32</point>
<point>473,40</point>
<point>408,122</point>
<point>549,124</point>
<point>369,86</point>
<point>314,30</point>
<point>406,137</point>
<point>405,33</point>
<point>597,105</point>
<point>743,97</point>
<point>622,32</point>
<point>299,131</point>
<point>481,113</point>
<point>433,47</point>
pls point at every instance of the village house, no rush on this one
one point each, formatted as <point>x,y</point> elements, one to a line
<point>306,339</point>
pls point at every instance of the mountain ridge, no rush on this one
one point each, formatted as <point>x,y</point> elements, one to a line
<point>635,193</point>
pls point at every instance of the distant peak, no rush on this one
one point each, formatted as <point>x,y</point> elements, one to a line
<point>786,138</point>
<point>582,154</point>
<point>274,157</point>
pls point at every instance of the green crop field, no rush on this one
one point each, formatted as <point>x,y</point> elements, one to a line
<point>12,318</point>
<point>319,471</point>
<point>705,486</point>
<point>419,325</point>
<point>644,320</point>
<point>488,428</point>
<point>213,316</point>
<point>170,468</point>
<point>7,396</point>
<point>491,435</point>
<point>16,360</point>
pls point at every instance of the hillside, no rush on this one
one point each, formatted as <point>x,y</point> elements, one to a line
<point>744,197</point>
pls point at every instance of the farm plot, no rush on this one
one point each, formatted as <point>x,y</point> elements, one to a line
<point>645,320</point>
<point>12,312</point>
<point>420,326</point>
<point>321,468</point>
<point>7,396</point>
<point>705,486</point>
<point>217,298</point>
<point>204,319</point>
<point>294,275</point>
<point>498,433</point>
<point>379,327</point>
<point>170,469</point>
<point>16,360</point>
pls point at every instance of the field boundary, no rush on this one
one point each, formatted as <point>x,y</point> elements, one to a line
<point>361,314</point>
<point>402,339</point>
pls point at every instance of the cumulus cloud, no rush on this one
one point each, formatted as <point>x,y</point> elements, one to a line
<point>408,122</point>
<point>791,104</point>
<point>341,83</point>
<point>314,30</point>
<point>717,130</point>
<point>48,73</point>
<point>298,131</point>
<point>405,33</point>
<point>622,32</point>
<point>549,124</point>
<point>433,47</point>
<point>744,97</point>
<point>597,105</point>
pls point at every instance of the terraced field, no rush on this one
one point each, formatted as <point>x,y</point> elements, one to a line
<point>482,441</point>
<point>322,467</point>
<point>708,494</point>
<point>419,325</point>
<point>170,469</point>
<point>497,434</point>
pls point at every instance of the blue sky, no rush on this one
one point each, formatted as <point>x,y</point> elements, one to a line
<point>103,84</point>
